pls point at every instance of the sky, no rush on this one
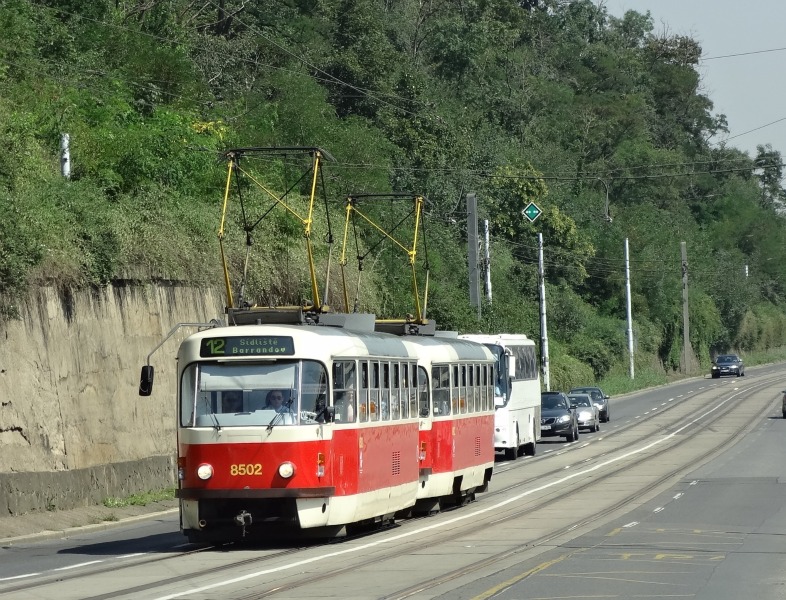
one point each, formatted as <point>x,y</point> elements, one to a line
<point>751,89</point>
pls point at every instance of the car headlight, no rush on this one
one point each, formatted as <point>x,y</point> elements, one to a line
<point>563,419</point>
<point>585,414</point>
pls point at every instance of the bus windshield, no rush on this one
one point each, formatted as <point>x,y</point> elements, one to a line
<point>501,395</point>
<point>252,394</point>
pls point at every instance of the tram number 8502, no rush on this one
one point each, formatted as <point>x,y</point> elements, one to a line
<point>249,469</point>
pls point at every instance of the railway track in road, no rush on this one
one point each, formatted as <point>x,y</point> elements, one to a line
<point>530,507</point>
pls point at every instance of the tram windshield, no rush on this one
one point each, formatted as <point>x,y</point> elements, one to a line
<point>292,392</point>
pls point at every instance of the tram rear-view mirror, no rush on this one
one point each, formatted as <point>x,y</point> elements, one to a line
<point>146,381</point>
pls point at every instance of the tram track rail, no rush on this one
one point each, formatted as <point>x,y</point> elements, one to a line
<point>607,458</point>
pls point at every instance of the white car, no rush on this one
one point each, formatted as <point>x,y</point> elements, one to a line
<point>587,412</point>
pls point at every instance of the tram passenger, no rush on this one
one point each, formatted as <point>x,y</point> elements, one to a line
<point>345,407</point>
<point>232,401</point>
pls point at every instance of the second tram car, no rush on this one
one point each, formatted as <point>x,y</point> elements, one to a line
<point>294,428</point>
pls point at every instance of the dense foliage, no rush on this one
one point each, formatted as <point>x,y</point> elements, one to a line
<point>600,121</point>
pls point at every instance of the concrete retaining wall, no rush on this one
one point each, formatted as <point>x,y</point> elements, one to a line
<point>73,429</point>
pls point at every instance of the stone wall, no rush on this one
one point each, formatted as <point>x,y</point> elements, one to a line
<point>73,429</point>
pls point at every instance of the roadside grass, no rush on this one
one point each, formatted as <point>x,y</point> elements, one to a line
<point>142,499</point>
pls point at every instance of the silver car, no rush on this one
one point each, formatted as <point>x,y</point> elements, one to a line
<point>587,413</point>
<point>599,397</point>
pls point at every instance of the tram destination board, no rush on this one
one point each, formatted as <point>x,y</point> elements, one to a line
<point>247,345</point>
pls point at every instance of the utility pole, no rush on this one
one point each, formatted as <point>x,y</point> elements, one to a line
<point>686,349</point>
<point>487,262</point>
<point>627,306</point>
<point>65,155</point>
<point>472,251</point>
<point>544,338</point>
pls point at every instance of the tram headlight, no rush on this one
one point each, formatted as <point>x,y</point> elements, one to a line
<point>286,470</point>
<point>205,471</point>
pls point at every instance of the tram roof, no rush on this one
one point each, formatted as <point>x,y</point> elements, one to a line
<point>323,342</point>
<point>500,339</point>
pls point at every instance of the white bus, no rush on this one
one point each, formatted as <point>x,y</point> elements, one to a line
<point>517,393</point>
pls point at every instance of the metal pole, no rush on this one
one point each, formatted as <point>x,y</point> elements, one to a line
<point>627,306</point>
<point>65,155</point>
<point>685,313</point>
<point>488,260</point>
<point>544,338</point>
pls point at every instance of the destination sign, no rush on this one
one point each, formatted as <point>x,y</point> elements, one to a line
<point>247,345</point>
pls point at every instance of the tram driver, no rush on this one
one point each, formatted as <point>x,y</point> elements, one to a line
<point>275,401</point>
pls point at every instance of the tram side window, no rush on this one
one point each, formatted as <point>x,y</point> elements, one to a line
<point>384,391</point>
<point>486,387</point>
<point>395,391</point>
<point>421,385</point>
<point>482,384</point>
<point>344,386</point>
<point>417,380</point>
<point>363,391</point>
<point>440,390</point>
<point>404,390</point>
<point>470,388</point>
<point>373,392</point>
<point>314,388</point>
<point>463,388</point>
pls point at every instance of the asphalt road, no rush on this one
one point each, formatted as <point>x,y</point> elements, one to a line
<point>568,523</point>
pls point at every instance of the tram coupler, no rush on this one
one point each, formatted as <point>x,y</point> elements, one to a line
<point>243,519</point>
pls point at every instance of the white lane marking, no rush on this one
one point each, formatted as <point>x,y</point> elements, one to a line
<point>659,509</point>
<point>76,566</point>
<point>448,522</point>
<point>678,496</point>
<point>631,524</point>
<point>19,576</point>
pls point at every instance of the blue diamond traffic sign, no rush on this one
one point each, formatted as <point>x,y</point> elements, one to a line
<point>532,211</point>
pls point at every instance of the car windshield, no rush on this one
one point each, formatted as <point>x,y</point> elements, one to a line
<point>580,400</point>
<point>552,402</point>
<point>727,359</point>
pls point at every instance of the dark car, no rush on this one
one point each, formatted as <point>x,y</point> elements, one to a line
<point>556,416</point>
<point>727,364</point>
<point>599,398</point>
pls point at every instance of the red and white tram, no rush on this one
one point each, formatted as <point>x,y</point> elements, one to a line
<point>294,428</point>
